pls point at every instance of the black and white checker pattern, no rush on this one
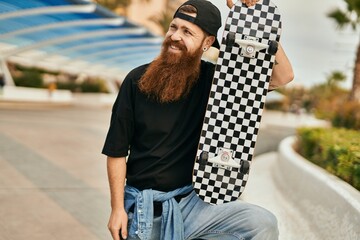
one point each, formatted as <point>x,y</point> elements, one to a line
<point>236,102</point>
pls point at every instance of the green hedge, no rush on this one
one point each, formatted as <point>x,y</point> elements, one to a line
<point>29,79</point>
<point>335,149</point>
<point>98,86</point>
<point>347,115</point>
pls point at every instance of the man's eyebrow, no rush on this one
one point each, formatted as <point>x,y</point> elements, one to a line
<point>189,29</point>
<point>183,27</point>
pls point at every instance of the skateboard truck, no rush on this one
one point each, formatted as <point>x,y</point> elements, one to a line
<point>224,160</point>
<point>250,45</point>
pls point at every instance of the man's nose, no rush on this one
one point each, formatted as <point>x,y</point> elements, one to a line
<point>176,36</point>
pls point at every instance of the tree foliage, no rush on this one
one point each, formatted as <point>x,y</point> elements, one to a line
<point>114,4</point>
<point>350,16</point>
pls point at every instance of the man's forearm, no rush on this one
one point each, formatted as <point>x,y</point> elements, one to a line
<point>116,168</point>
<point>282,72</point>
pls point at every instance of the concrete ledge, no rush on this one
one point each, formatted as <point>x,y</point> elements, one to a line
<point>94,99</point>
<point>331,206</point>
<point>25,94</point>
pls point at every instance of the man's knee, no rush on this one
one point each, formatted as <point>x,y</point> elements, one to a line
<point>266,224</point>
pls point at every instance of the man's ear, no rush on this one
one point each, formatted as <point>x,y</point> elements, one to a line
<point>209,41</point>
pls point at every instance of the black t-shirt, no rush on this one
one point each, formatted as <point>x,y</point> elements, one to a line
<point>162,138</point>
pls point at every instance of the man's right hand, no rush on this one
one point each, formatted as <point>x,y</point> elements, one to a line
<point>248,3</point>
<point>118,224</point>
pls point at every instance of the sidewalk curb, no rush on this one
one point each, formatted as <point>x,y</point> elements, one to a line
<point>263,190</point>
<point>331,206</point>
<point>272,118</point>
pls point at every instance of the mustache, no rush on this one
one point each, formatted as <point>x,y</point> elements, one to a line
<point>168,42</point>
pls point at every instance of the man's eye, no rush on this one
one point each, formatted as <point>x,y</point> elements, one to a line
<point>187,32</point>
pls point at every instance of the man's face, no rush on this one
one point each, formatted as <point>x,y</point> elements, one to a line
<point>173,73</point>
<point>183,36</point>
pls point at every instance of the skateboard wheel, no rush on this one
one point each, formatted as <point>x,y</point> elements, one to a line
<point>230,39</point>
<point>245,167</point>
<point>273,47</point>
<point>203,158</point>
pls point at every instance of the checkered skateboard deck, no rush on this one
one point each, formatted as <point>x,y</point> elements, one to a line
<point>237,98</point>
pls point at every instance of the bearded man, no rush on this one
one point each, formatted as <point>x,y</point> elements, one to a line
<point>153,136</point>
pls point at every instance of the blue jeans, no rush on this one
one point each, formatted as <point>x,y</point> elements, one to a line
<point>230,221</point>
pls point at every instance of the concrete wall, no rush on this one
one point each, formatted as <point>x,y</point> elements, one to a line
<point>94,99</point>
<point>16,94</point>
<point>331,206</point>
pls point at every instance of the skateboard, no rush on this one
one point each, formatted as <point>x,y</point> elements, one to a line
<point>236,101</point>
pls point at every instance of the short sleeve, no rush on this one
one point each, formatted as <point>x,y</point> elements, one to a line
<point>121,128</point>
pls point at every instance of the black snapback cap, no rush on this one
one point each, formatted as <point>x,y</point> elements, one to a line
<point>208,17</point>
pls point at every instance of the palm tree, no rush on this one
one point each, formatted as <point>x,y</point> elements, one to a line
<point>164,19</point>
<point>350,17</point>
<point>115,4</point>
<point>335,78</point>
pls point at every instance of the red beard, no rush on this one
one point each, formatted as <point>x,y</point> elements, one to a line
<point>171,76</point>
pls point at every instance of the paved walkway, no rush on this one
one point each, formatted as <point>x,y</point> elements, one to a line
<point>53,182</point>
<point>262,190</point>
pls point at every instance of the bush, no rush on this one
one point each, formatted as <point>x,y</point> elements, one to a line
<point>88,86</point>
<point>336,149</point>
<point>29,79</point>
<point>33,77</point>
<point>96,85</point>
<point>347,115</point>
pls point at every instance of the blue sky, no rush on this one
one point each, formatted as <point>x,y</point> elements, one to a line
<point>311,41</point>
